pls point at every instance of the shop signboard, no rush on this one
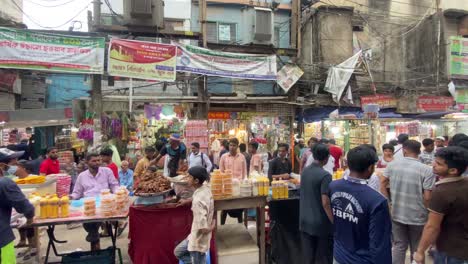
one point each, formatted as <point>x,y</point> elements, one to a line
<point>225,64</point>
<point>462,99</point>
<point>434,103</point>
<point>142,60</point>
<point>384,101</point>
<point>219,115</point>
<point>459,57</point>
<point>288,76</point>
<point>28,50</point>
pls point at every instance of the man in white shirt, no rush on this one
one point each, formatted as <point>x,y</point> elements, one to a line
<point>198,158</point>
<point>328,167</point>
<point>398,154</point>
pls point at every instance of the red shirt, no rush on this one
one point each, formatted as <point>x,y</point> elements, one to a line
<point>114,169</point>
<point>336,152</point>
<point>49,166</point>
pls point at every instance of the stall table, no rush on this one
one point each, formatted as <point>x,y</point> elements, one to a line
<point>258,202</point>
<point>51,223</point>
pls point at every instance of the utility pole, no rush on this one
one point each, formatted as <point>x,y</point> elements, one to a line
<point>202,81</point>
<point>439,33</point>
<point>96,79</point>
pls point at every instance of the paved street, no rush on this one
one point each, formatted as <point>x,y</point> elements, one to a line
<point>76,241</point>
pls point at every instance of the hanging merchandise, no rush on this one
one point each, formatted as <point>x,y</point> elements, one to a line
<point>115,126</point>
<point>86,129</point>
<point>125,127</point>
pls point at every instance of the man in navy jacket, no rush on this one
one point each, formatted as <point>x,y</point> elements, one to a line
<point>362,224</point>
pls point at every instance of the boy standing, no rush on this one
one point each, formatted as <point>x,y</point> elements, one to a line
<point>193,249</point>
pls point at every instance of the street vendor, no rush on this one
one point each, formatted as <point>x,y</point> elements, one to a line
<point>10,197</point>
<point>144,163</point>
<point>89,184</point>
<point>176,156</point>
<point>280,167</point>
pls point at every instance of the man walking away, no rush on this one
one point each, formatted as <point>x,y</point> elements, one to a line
<point>411,184</point>
<point>315,212</point>
<point>360,214</point>
<point>427,156</point>
<point>402,138</point>
<point>448,214</point>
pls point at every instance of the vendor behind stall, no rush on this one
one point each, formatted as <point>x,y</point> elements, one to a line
<point>144,163</point>
<point>280,167</point>
<point>176,158</point>
<point>89,184</point>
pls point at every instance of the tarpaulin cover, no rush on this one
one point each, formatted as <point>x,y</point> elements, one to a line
<point>155,231</point>
<point>284,231</point>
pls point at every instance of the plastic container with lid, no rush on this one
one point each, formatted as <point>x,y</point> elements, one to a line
<point>255,187</point>
<point>235,187</point>
<point>44,211</point>
<point>64,206</point>
<point>89,207</point>
<point>54,206</point>
<point>246,188</point>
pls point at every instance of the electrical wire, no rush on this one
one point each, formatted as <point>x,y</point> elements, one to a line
<point>51,6</point>
<point>49,27</point>
<point>108,4</point>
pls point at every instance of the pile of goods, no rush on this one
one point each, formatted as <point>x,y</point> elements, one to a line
<point>63,184</point>
<point>31,179</point>
<point>224,186</point>
<point>89,206</point>
<point>112,204</point>
<point>279,189</point>
<point>221,184</point>
<point>338,174</point>
<point>153,183</point>
<point>50,206</point>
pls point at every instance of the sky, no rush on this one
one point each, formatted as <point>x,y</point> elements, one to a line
<point>56,14</point>
<point>59,14</point>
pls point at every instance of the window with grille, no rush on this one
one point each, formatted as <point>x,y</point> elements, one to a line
<point>218,32</point>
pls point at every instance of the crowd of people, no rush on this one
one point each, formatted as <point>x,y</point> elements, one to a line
<point>412,197</point>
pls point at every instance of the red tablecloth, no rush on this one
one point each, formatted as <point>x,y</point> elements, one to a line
<point>154,232</point>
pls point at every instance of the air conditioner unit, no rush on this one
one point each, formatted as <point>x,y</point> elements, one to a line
<point>259,26</point>
<point>144,13</point>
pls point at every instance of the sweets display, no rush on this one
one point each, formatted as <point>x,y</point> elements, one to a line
<point>89,208</point>
<point>31,179</point>
<point>107,205</point>
<point>152,183</point>
<point>221,184</point>
<point>121,199</point>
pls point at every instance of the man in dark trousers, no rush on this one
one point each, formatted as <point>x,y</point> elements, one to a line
<point>315,220</point>
<point>10,197</point>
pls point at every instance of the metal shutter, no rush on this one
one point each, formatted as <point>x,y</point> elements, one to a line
<point>212,32</point>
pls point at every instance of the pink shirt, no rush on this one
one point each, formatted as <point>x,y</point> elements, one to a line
<point>236,164</point>
<point>256,161</point>
<point>88,185</point>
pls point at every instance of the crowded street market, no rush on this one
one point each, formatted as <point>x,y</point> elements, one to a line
<point>144,143</point>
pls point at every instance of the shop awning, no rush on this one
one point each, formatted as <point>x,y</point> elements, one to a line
<point>316,114</point>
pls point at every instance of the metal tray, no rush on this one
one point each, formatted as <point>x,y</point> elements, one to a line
<point>152,194</point>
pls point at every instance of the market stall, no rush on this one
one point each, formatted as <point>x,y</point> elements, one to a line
<point>266,128</point>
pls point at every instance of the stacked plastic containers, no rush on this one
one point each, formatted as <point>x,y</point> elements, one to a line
<point>221,184</point>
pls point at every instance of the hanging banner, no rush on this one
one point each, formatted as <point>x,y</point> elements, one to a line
<point>142,60</point>
<point>459,57</point>
<point>225,64</point>
<point>24,49</point>
<point>288,76</point>
<point>384,101</point>
<point>219,115</point>
<point>434,103</point>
